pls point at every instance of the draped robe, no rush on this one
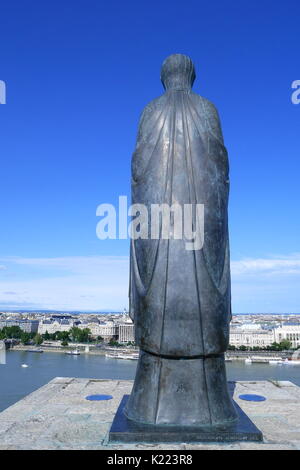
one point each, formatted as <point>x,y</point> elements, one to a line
<point>180,299</point>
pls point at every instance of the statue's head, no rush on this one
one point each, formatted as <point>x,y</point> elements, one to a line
<point>177,72</point>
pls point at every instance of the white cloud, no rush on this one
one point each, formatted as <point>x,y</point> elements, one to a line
<point>74,264</point>
<point>266,284</point>
<point>269,284</point>
<point>280,265</point>
<point>69,283</point>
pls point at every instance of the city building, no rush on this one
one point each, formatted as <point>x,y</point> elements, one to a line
<point>51,326</point>
<point>106,329</point>
<point>290,332</point>
<point>250,330</point>
<point>251,338</point>
<point>28,326</point>
<point>126,332</point>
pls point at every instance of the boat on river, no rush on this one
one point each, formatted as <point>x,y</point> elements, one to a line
<point>37,350</point>
<point>132,357</point>
<point>276,360</point>
<point>75,352</point>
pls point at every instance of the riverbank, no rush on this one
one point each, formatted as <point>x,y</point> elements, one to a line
<point>103,350</point>
<point>270,354</point>
<point>75,346</point>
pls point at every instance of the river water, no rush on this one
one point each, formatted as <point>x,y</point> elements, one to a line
<point>16,381</point>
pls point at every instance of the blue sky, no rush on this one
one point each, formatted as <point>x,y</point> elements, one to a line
<point>78,74</point>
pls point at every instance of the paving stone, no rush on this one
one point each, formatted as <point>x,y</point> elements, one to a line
<point>58,416</point>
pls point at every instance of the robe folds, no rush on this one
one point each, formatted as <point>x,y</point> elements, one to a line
<point>179,298</point>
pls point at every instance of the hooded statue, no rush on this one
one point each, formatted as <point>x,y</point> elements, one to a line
<point>180,294</point>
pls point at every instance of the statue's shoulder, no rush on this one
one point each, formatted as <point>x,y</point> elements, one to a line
<point>210,113</point>
<point>207,106</point>
<point>153,107</point>
<point>149,115</point>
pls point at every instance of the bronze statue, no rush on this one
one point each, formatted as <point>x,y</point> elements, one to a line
<point>180,298</point>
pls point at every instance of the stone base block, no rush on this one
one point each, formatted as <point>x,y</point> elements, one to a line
<point>124,430</point>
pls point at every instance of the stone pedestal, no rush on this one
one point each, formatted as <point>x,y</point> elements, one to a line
<point>124,430</point>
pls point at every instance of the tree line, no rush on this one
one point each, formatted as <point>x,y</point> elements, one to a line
<point>284,345</point>
<point>75,334</point>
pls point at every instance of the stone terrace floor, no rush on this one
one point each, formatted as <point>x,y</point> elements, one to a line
<point>57,416</point>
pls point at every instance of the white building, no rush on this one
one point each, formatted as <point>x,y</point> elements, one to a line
<point>29,326</point>
<point>126,332</point>
<point>53,326</point>
<point>106,329</point>
<point>290,332</point>
<point>251,338</point>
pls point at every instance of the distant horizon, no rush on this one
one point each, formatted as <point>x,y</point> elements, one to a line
<point>103,312</point>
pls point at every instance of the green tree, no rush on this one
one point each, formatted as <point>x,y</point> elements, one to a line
<point>12,332</point>
<point>46,336</point>
<point>64,343</point>
<point>25,337</point>
<point>75,333</point>
<point>38,339</point>
<point>85,335</point>
<point>285,344</point>
<point>275,347</point>
<point>113,342</point>
<point>62,336</point>
<point>79,335</point>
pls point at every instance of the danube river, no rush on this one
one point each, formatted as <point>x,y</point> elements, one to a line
<point>16,381</point>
